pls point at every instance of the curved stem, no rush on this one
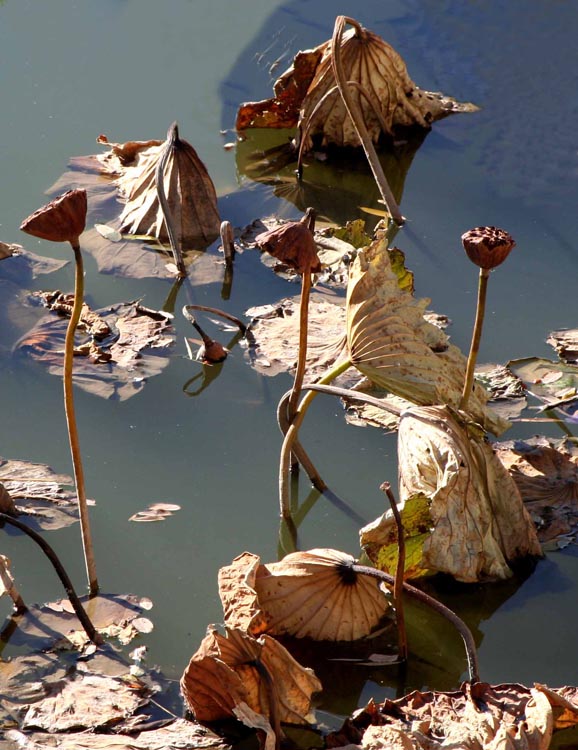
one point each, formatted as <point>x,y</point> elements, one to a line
<point>79,610</point>
<point>399,573</point>
<point>356,115</point>
<point>214,311</point>
<point>302,353</point>
<point>476,338</point>
<point>446,612</point>
<point>291,436</point>
<point>298,450</point>
<point>71,423</point>
<point>355,395</point>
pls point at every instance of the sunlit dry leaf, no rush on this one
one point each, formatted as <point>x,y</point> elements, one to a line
<point>316,594</point>
<point>392,344</point>
<point>238,596</point>
<point>545,471</point>
<point>45,498</point>
<point>565,342</point>
<point>222,675</point>
<point>477,717</point>
<point>390,98</point>
<point>117,367</point>
<point>471,520</point>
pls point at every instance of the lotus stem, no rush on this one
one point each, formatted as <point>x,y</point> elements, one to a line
<point>446,612</point>
<point>228,240</point>
<point>291,436</point>
<point>298,450</point>
<point>214,311</point>
<point>354,111</point>
<point>302,354</point>
<point>399,573</point>
<point>476,337</point>
<point>79,610</point>
<point>172,136</point>
<point>71,422</point>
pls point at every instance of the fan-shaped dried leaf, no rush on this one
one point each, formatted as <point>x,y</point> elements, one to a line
<point>392,344</point>
<point>546,473</point>
<point>477,717</point>
<point>223,675</point>
<point>189,191</point>
<point>316,594</point>
<point>477,519</point>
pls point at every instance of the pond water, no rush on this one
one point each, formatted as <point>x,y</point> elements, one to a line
<point>128,68</point>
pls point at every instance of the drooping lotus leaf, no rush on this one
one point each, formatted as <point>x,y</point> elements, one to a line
<point>223,675</point>
<point>305,95</point>
<point>464,509</point>
<point>476,717</point>
<point>545,471</point>
<point>392,344</point>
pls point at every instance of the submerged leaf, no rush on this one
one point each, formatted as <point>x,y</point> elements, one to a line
<point>470,520</point>
<point>116,367</point>
<point>392,344</point>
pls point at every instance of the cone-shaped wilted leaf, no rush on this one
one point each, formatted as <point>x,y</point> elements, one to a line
<point>189,191</point>
<point>292,244</point>
<point>392,344</point>
<point>466,500</point>
<point>61,220</point>
<point>223,674</point>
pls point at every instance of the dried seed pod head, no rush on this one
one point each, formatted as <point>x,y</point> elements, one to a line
<point>292,244</point>
<point>211,352</point>
<point>61,220</point>
<point>487,247</point>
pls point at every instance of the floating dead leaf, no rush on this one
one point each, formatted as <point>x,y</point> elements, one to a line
<point>464,512</point>
<point>508,394</point>
<point>118,367</point>
<point>112,615</point>
<point>546,473</point>
<point>178,733</point>
<point>22,265</point>
<point>477,717</point>
<point>553,383</point>
<point>275,336</point>
<point>155,512</point>
<point>190,194</point>
<point>565,342</point>
<point>392,344</point>
<point>238,596</point>
<point>227,672</point>
<point>45,498</point>
<point>306,94</point>
<point>363,414</point>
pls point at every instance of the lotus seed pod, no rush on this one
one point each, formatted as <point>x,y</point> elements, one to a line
<point>487,247</point>
<point>61,220</point>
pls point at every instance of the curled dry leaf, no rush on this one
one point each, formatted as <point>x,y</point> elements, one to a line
<point>155,512</point>
<point>292,244</point>
<point>392,344</point>
<point>477,717</point>
<point>306,94</point>
<point>314,594</point>
<point>227,672</point>
<point>464,510</point>
<point>546,473</point>
<point>565,342</point>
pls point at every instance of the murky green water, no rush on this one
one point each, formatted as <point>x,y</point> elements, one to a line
<point>128,68</point>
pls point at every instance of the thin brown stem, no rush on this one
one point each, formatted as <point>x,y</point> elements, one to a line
<point>399,573</point>
<point>302,353</point>
<point>71,423</point>
<point>356,115</point>
<point>476,337</point>
<point>446,612</point>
